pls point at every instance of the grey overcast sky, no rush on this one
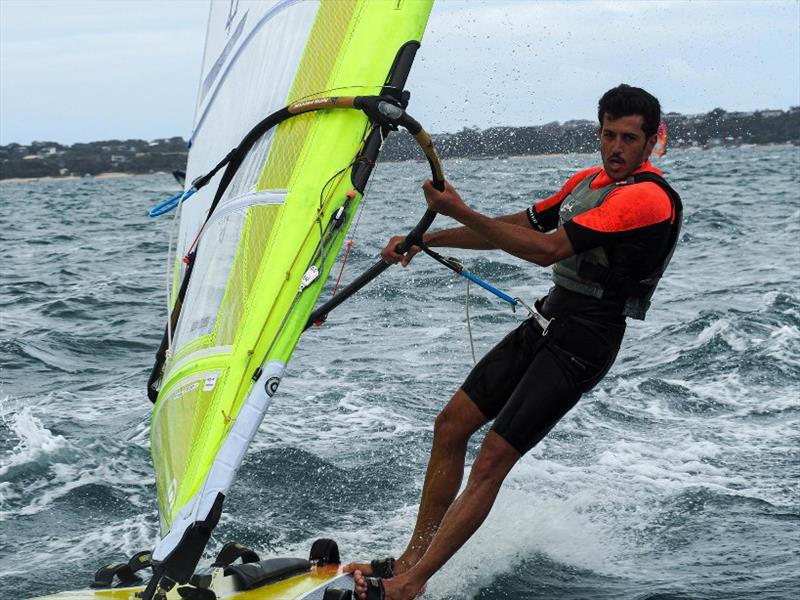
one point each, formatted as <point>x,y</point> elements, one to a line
<point>75,70</point>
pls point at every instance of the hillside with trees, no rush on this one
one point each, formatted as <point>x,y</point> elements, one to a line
<point>715,128</point>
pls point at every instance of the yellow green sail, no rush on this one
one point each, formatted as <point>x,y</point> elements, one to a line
<point>244,309</point>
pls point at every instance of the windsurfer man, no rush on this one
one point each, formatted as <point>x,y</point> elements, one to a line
<point>613,230</point>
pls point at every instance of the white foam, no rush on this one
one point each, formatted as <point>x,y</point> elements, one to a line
<point>321,430</point>
<point>62,466</point>
<point>34,439</point>
<point>522,524</point>
<point>122,539</point>
<point>534,514</point>
<point>7,493</point>
<point>722,328</point>
<point>783,345</point>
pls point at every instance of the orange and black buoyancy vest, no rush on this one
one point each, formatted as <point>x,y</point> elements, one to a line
<point>589,272</point>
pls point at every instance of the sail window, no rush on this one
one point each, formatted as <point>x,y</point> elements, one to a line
<point>228,257</point>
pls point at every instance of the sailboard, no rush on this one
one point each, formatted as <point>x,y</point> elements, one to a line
<point>319,578</point>
<point>300,95</point>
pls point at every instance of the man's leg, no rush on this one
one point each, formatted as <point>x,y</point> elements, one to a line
<point>543,395</point>
<point>462,519</point>
<point>451,432</point>
<point>482,396</point>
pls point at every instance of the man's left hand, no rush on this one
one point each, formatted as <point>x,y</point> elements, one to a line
<point>445,203</point>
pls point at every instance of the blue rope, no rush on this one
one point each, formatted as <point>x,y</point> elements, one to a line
<point>455,265</point>
<point>169,204</point>
<point>488,287</point>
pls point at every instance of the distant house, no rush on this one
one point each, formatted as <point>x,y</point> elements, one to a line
<point>118,158</point>
<point>577,123</point>
<point>769,114</point>
<point>739,115</point>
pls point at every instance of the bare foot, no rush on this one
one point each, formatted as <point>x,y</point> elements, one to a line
<point>395,588</point>
<point>400,565</point>
<point>363,568</point>
<point>360,587</point>
<point>388,569</point>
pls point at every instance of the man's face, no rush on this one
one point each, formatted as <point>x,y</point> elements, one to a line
<point>623,145</point>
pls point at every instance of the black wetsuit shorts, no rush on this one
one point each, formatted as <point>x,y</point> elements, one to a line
<point>528,381</point>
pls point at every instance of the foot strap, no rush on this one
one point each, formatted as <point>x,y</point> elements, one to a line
<point>383,567</point>
<point>232,551</point>
<point>193,593</point>
<point>375,589</point>
<point>125,572</point>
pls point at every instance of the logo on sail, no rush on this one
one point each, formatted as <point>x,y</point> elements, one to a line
<point>271,386</point>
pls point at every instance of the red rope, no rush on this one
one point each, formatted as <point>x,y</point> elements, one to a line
<point>344,262</point>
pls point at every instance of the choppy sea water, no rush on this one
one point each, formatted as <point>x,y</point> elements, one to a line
<point>677,477</point>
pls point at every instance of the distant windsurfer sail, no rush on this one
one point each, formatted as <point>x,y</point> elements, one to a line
<point>660,148</point>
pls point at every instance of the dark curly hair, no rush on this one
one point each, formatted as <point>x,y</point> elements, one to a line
<point>625,100</point>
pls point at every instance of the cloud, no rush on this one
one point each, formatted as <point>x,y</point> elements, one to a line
<point>83,73</point>
<point>68,70</point>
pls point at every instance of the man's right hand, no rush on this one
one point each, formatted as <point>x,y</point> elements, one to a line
<point>391,257</point>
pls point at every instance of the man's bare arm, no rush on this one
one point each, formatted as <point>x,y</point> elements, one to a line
<point>519,240</point>
<point>456,237</point>
<point>463,237</point>
<point>524,242</point>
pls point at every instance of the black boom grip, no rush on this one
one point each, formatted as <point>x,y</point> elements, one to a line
<point>414,237</point>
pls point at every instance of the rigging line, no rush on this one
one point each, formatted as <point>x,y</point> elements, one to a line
<point>469,324</point>
<point>348,247</point>
<point>170,271</point>
<point>324,237</point>
<point>323,191</point>
<point>318,251</point>
<point>395,118</point>
<point>370,181</point>
<point>457,266</point>
<point>361,208</point>
<point>354,229</point>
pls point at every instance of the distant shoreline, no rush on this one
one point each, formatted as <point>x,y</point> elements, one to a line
<point>109,175</point>
<point>116,158</point>
<point>123,175</point>
<point>717,128</point>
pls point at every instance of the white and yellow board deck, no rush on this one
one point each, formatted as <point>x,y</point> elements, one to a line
<point>307,586</point>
